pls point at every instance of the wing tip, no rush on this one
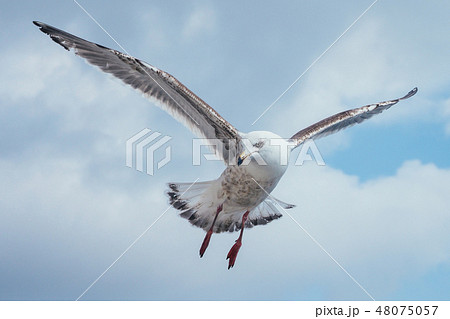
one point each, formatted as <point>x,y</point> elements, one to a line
<point>42,26</point>
<point>409,94</point>
<point>51,31</point>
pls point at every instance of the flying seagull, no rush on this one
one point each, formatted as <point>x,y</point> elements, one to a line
<point>240,198</point>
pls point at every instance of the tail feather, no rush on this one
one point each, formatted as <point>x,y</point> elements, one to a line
<point>280,202</point>
<point>263,213</point>
<point>194,201</point>
<point>198,204</point>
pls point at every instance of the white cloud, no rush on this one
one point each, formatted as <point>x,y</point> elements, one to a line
<point>55,84</point>
<point>352,74</point>
<point>25,75</point>
<point>202,21</point>
<point>369,64</point>
<point>402,218</point>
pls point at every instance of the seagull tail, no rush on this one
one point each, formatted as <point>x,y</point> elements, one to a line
<point>195,202</point>
<point>267,211</point>
<point>198,204</point>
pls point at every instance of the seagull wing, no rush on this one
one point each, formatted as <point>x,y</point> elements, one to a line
<point>344,119</point>
<point>158,86</point>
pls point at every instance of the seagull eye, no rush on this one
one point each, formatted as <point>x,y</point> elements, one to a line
<point>259,144</point>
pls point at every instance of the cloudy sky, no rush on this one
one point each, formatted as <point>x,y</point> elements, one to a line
<point>380,206</point>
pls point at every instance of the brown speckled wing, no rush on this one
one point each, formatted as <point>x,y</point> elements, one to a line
<point>160,87</point>
<point>345,119</point>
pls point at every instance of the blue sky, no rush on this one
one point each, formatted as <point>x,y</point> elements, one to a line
<point>69,206</point>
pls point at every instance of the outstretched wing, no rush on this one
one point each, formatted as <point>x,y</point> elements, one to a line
<point>160,87</point>
<point>344,119</point>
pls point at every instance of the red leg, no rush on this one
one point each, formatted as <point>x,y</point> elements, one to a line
<point>209,232</point>
<point>232,254</point>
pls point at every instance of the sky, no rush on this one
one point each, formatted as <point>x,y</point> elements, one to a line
<point>69,206</point>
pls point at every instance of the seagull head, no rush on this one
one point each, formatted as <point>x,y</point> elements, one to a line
<point>253,147</point>
<point>263,148</point>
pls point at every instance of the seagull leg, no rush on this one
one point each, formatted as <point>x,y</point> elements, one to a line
<point>209,232</point>
<point>232,254</point>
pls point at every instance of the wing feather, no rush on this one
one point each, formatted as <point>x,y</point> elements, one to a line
<point>159,86</point>
<point>345,119</point>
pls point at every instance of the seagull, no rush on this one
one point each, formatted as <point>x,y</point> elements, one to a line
<point>240,198</point>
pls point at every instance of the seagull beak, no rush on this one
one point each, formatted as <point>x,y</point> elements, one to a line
<point>241,158</point>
